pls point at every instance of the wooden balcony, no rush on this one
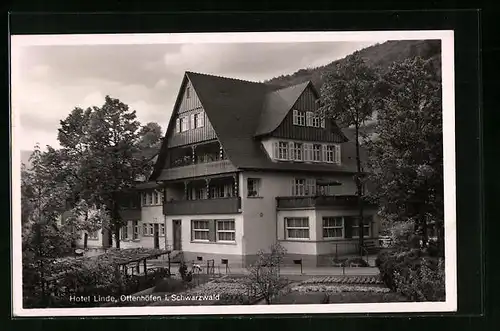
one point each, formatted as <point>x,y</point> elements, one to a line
<point>201,207</point>
<point>197,170</point>
<point>317,201</point>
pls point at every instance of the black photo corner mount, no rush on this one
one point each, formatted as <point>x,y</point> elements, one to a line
<point>468,129</point>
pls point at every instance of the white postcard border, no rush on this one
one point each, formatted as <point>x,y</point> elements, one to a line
<point>447,39</point>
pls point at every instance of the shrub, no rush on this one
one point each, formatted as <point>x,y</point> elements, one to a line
<point>357,260</point>
<point>412,274</point>
<point>427,283</point>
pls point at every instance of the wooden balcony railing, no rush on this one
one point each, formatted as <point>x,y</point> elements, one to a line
<point>230,205</point>
<point>197,170</point>
<point>316,201</point>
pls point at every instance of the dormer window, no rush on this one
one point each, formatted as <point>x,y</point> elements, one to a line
<point>299,117</point>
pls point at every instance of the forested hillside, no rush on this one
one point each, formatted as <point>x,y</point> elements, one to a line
<point>380,56</point>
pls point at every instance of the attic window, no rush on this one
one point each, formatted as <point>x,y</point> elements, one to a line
<point>299,117</point>
<point>188,92</point>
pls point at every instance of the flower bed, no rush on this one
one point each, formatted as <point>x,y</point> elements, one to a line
<point>335,288</point>
<point>344,280</point>
<point>222,291</point>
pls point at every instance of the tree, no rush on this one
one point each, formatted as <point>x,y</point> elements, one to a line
<point>102,155</point>
<point>86,218</point>
<point>151,136</point>
<point>406,159</point>
<point>264,275</point>
<point>348,96</point>
<point>42,202</point>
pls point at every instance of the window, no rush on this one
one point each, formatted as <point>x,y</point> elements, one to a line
<point>149,198</point>
<point>148,229</point>
<point>124,232</point>
<point>136,229</point>
<point>332,154</point>
<point>333,227</point>
<point>366,227</point>
<point>217,191</point>
<point>144,199</point>
<point>156,197</point>
<point>283,150</point>
<point>253,187</point>
<point>316,153</point>
<point>299,118</point>
<point>313,120</point>
<point>322,124</point>
<point>310,188</point>
<point>328,189</point>
<point>299,186</point>
<point>162,230</point>
<point>297,228</point>
<point>225,230</point>
<point>200,230</point>
<point>316,122</point>
<point>198,120</point>
<point>184,124</point>
<point>162,198</point>
<point>298,151</point>
<point>188,92</point>
<point>94,235</point>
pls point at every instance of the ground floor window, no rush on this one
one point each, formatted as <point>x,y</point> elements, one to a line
<point>135,224</point>
<point>333,227</point>
<point>226,230</point>
<point>366,227</point>
<point>213,230</point>
<point>297,228</point>
<point>200,230</point>
<point>124,233</point>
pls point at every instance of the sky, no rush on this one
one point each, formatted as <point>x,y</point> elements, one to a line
<point>49,81</point>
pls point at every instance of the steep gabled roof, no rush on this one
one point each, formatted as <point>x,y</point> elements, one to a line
<point>276,106</point>
<point>239,111</point>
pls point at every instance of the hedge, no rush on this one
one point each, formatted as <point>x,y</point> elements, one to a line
<point>414,274</point>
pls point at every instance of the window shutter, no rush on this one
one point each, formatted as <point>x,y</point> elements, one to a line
<point>212,230</point>
<point>201,119</point>
<point>178,125</point>
<point>323,122</point>
<point>291,151</point>
<point>337,153</point>
<point>295,116</point>
<point>309,118</point>
<point>192,122</point>
<point>276,150</point>
<point>293,186</point>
